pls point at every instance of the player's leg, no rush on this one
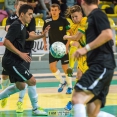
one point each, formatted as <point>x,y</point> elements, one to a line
<point>33,95</point>
<point>93,109</point>
<point>23,92</point>
<point>56,72</point>
<point>78,76</point>
<point>65,63</point>
<point>73,47</point>
<point>4,84</point>
<point>79,99</point>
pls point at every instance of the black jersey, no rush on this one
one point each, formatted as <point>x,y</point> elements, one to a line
<point>30,27</point>
<point>17,35</point>
<point>57,30</point>
<point>103,55</point>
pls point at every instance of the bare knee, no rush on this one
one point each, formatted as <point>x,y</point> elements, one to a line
<point>20,86</point>
<point>53,69</point>
<point>31,81</point>
<point>5,77</point>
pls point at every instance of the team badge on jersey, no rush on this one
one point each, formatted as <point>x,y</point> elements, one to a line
<point>60,28</point>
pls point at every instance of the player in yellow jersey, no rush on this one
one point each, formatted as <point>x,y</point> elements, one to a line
<point>78,30</point>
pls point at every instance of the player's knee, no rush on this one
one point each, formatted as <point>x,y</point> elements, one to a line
<point>21,86</point>
<point>5,77</point>
<point>53,69</point>
<point>31,82</point>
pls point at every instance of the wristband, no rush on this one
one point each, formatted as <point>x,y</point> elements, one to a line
<point>87,47</point>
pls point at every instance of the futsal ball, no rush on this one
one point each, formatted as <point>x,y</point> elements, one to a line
<point>58,49</point>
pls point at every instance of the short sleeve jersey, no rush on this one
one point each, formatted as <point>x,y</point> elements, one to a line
<point>58,29</point>
<point>81,28</point>
<point>17,34</point>
<point>103,55</point>
<point>30,27</point>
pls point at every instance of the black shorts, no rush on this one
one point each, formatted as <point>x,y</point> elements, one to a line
<point>96,79</point>
<point>26,64</point>
<point>64,59</point>
<point>16,70</point>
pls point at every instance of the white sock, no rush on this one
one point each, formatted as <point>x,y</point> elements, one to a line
<point>69,81</point>
<point>104,114</point>
<point>79,110</point>
<point>33,96</point>
<point>58,76</point>
<point>9,91</point>
<point>22,93</point>
<point>5,83</point>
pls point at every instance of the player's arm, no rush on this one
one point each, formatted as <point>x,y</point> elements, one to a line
<point>33,36</point>
<point>44,38</point>
<point>75,37</point>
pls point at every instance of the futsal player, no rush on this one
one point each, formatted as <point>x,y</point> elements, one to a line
<point>58,29</point>
<point>14,56</point>
<point>93,86</point>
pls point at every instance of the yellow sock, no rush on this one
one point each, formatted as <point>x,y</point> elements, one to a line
<point>71,59</point>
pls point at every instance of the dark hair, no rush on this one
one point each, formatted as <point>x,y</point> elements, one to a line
<point>24,8</point>
<point>89,2</point>
<point>55,5</point>
<point>73,9</point>
<point>17,1</point>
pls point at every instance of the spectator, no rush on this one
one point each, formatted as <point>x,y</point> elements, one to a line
<point>9,7</point>
<point>55,2</point>
<point>63,6</point>
<point>71,3</point>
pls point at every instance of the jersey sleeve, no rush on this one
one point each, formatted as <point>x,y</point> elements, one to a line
<point>82,25</point>
<point>45,25</point>
<point>32,25</point>
<point>13,32</point>
<point>8,21</point>
<point>101,21</point>
<point>67,24</point>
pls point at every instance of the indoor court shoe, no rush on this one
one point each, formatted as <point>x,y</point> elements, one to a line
<point>19,107</point>
<point>68,107</point>
<point>3,102</point>
<point>61,86</point>
<point>70,72</point>
<point>39,111</point>
<point>69,90</point>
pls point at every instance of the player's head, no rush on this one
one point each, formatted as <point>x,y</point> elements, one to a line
<point>75,13</point>
<point>55,10</point>
<point>19,3</point>
<point>26,13</point>
<point>89,3</point>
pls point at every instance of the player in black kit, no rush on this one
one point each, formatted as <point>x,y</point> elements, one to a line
<point>93,86</point>
<point>15,54</point>
<point>59,27</point>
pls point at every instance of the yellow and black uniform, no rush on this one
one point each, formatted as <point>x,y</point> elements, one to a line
<point>57,31</point>
<point>82,64</point>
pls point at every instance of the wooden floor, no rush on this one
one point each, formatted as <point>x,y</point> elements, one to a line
<point>50,99</point>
